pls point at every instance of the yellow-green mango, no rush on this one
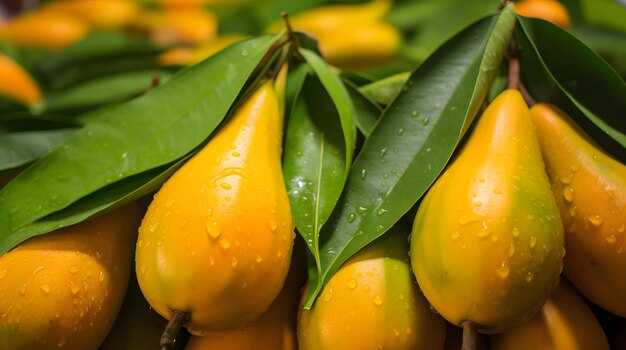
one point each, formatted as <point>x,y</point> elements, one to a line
<point>590,189</point>
<point>564,322</point>
<point>63,290</point>
<point>372,302</point>
<point>487,241</point>
<point>217,238</point>
<point>276,328</point>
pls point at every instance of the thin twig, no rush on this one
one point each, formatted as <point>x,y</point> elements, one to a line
<point>178,320</point>
<point>470,335</point>
<point>530,101</point>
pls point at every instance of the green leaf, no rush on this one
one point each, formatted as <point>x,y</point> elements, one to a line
<point>109,198</point>
<point>110,89</point>
<point>590,84</point>
<point>341,98</point>
<point>366,111</point>
<point>385,90</point>
<point>153,130</point>
<point>412,142</point>
<point>19,148</point>
<point>314,160</point>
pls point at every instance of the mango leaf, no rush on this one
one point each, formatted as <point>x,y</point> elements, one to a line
<point>412,142</point>
<point>110,89</point>
<point>340,97</point>
<point>314,160</point>
<point>589,82</point>
<point>153,130</point>
<point>366,111</point>
<point>385,90</point>
<point>109,198</point>
<point>19,148</point>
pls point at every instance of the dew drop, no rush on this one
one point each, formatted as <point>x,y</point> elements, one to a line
<point>3,273</point>
<point>361,210</point>
<point>352,283</point>
<point>511,249</point>
<point>483,233</point>
<point>572,211</point>
<point>272,224</point>
<point>568,194</point>
<point>236,154</point>
<point>533,241</point>
<point>377,300</point>
<point>226,185</point>
<point>455,235</point>
<point>494,238</point>
<point>45,288</point>
<point>23,289</point>
<point>566,180</point>
<point>363,173</point>
<point>396,332</point>
<point>481,179</point>
<point>497,191</point>
<point>425,120</point>
<point>574,167</point>
<point>381,211</point>
<point>328,295</point>
<point>74,288</point>
<point>503,271</point>
<point>595,220</point>
<point>414,113</point>
<point>477,203</point>
<point>610,239</point>
<point>351,217</point>
<point>144,268</point>
<point>101,277</point>
<point>529,277</point>
<point>234,261</point>
<point>214,229</point>
<point>515,232</point>
<point>382,152</point>
<point>224,243</point>
<point>400,132</point>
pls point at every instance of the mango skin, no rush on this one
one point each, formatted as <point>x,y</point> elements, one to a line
<point>276,328</point>
<point>63,290</point>
<point>564,322</point>
<point>487,241</point>
<point>372,302</point>
<point>49,30</point>
<point>216,240</point>
<point>590,189</point>
<point>17,83</point>
<point>104,14</point>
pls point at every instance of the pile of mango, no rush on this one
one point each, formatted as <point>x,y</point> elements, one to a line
<point>516,244</point>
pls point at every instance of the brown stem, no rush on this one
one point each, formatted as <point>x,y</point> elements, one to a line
<point>470,334</point>
<point>513,72</point>
<point>285,16</point>
<point>155,82</point>
<point>530,101</point>
<point>178,320</point>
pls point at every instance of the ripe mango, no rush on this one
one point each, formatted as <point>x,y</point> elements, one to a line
<point>372,302</point>
<point>179,26</point>
<point>564,322</point>
<point>17,83</point>
<point>350,36</point>
<point>590,189</point>
<point>217,238</point>
<point>105,14</point>
<point>487,241</point>
<point>549,10</point>
<point>182,56</point>
<point>44,29</point>
<point>63,290</point>
<point>276,328</point>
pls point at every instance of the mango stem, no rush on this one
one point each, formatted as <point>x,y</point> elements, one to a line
<point>178,320</point>
<point>469,335</point>
<point>513,76</point>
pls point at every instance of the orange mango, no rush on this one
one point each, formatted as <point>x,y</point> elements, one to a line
<point>590,189</point>
<point>17,83</point>
<point>487,241</point>
<point>106,14</point>
<point>44,29</point>
<point>549,10</point>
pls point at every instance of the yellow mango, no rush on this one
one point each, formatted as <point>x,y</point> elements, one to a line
<point>182,56</point>
<point>372,302</point>
<point>179,26</point>
<point>17,83</point>
<point>44,29</point>
<point>549,10</point>
<point>104,14</point>
<point>487,241</point>
<point>564,322</point>
<point>217,238</point>
<point>590,189</point>
<point>350,36</point>
<point>276,328</point>
<point>63,290</point>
